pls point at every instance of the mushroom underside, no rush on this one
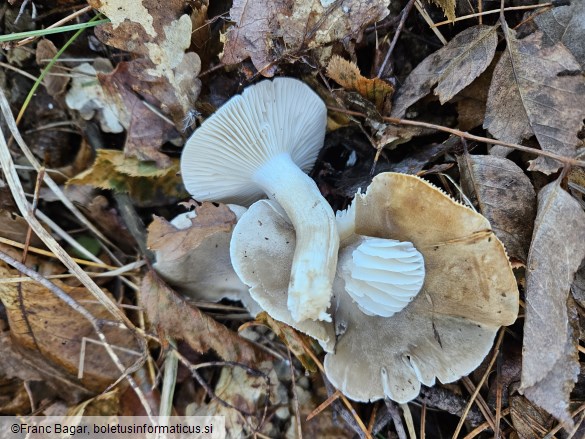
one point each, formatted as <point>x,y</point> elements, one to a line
<point>262,251</point>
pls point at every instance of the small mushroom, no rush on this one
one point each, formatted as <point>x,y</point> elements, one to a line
<point>444,330</point>
<point>263,142</point>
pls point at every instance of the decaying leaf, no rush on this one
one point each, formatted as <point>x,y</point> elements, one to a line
<point>565,24</point>
<point>448,7</point>
<point>196,260</point>
<point>529,420</point>
<point>505,196</point>
<point>295,341</point>
<point>146,130</point>
<point>55,84</point>
<point>161,35</point>
<point>264,29</point>
<point>533,92</point>
<point>248,393</point>
<point>87,96</point>
<point>15,228</point>
<point>451,68</point>
<point>147,184</point>
<point>347,74</point>
<point>172,314</point>
<point>550,363</point>
<point>50,335</point>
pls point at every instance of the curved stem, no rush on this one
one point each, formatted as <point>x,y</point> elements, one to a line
<point>317,240</point>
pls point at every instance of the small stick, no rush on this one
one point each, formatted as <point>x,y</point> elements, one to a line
<point>403,17</point>
<point>294,394</point>
<point>493,11</point>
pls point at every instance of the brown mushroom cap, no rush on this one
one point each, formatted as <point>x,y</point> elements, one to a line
<point>445,332</point>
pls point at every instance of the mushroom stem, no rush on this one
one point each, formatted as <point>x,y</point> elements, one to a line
<point>317,239</point>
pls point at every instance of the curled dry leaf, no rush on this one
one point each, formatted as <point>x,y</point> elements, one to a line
<point>172,314</point>
<point>161,35</point>
<point>549,362</point>
<point>146,183</point>
<point>347,74</point>
<point>196,259</point>
<point>505,196</point>
<point>55,84</point>
<point>450,68</point>
<point>535,91</point>
<point>260,26</point>
<point>146,130</point>
<point>50,335</point>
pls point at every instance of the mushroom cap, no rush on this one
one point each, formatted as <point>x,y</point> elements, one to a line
<point>469,291</point>
<point>269,118</point>
<point>261,250</point>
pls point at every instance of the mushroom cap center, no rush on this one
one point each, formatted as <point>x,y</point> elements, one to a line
<point>382,275</point>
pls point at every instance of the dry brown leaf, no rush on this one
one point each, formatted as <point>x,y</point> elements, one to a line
<point>451,68</point>
<point>296,342</point>
<point>347,74</point>
<point>260,25</point>
<point>529,420</point>
<point>55,84</point>
<point>146,131</point>
<point>565,24</point>
<point>505,196</point>
<point>196,260</point>
<point>248,393</point>
<point>549,362</point>
<point>536,91</point>
<point>147,184</point>
<point>49,334</point>
<point>15,228</point>
<point>161,35</point>
<point>178,319</point>
<point>448,7</point>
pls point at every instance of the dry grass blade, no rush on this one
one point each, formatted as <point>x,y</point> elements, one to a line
<point>478,387</point>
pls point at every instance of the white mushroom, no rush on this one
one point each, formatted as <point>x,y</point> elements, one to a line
<point>444,330</point>
<point>261,249</point>
<point>263,142</point>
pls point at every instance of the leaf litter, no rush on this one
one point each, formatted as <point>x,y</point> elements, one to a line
<point>515,82</point>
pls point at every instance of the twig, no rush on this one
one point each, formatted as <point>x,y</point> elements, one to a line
<point>478,387</point>
<point>565,160</point>
<point>425,15</point>
<point>403,17</point>
<point>393,410</point>
<point>482,427</point>
<point>493,11</point>
<point>294,394</point>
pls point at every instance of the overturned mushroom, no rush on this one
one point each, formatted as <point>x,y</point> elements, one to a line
<point>444,330</point>
<point>263,142</point>
<point>192,254</point>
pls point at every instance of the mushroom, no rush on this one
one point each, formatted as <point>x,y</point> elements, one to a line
<point>444,330</point>
<point>262,142</point>
<point>192,254</point>
<point>261,250</point>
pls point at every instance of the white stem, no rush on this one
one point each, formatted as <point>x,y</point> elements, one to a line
<point>317,239</point>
